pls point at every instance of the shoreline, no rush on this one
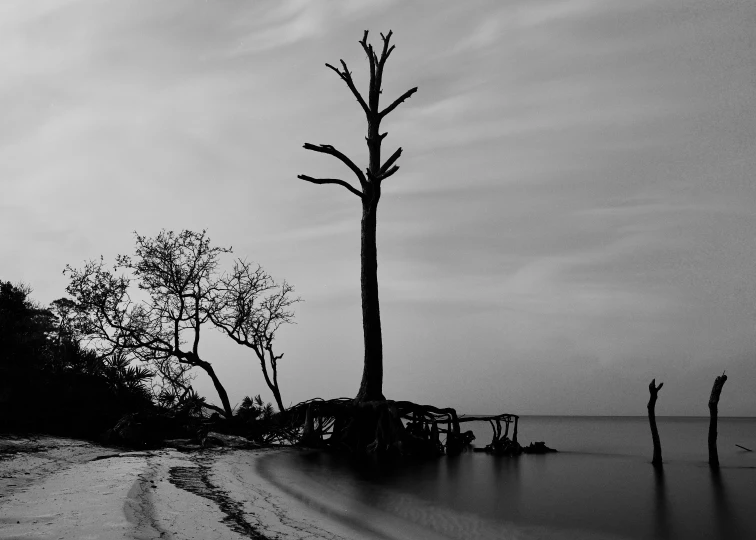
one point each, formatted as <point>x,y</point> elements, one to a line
<point>70,489</point>
<point>63,488</point>
<point>91,491</point>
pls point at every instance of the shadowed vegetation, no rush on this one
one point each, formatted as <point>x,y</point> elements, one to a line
<point>117,358</point>
<point>49,382</point>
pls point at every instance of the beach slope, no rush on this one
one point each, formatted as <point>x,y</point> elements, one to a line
<point>67,489</point>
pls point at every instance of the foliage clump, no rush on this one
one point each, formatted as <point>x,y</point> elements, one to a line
<point>49,382</point>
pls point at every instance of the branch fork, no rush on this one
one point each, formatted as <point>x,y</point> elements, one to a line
<point>376,173</point>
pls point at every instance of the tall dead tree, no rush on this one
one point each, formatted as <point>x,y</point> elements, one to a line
<point>371,387</point>
<point>716,391</point>
<point>654,391</point>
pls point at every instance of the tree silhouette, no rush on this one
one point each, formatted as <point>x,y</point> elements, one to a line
<point>250,307</point>
<point>371,387</point>
<point>163,320</point>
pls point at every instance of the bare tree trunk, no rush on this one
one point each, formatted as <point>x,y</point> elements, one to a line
<point>276,392</point>
<point>654,390</point>
<point>309,436</point>
<point>218,387</point>
<point>277,396</point>
<point>371,386</point>
<point>272,384</point>
<point>716,391</point>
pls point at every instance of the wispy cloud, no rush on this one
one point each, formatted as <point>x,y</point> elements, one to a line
<point>278,24</point>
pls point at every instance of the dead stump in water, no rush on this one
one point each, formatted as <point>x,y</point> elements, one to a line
<point>716,391</point>
<point>654,391</point>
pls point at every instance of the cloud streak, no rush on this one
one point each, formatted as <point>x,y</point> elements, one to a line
<point>575,196</point>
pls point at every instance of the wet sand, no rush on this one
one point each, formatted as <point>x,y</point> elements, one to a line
<point>68,489</point>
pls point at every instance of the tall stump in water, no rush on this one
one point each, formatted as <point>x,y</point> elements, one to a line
<point>716,391</point>
<point>654,391</point>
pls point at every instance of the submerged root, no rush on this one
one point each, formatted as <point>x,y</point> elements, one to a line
<point>379,427</point>
<point>371,427</point>
<point>403,428</point>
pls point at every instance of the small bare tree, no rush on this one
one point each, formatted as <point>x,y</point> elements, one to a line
<point>161,319</point>
<point>371,387</point>
<point>250,308</point>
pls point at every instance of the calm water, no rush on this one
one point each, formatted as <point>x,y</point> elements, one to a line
<point>600,485</point>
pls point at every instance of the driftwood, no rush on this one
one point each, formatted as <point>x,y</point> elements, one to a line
<point>716,391</point>
<point>500,444</point>
<point>231,441</point>
<point>654,391</point>
<point>537,448</point>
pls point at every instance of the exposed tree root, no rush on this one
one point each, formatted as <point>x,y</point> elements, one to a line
<point>395,428</point>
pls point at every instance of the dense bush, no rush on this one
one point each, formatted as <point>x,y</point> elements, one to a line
<point>49,382</point>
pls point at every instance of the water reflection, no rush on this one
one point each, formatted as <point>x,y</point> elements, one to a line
<point>661,509</point>
<point>507,493</point>
<point>574,493</point>
<point>724,520</point>
<point>452,469</point>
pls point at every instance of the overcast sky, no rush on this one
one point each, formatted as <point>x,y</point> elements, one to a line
<point>575,212</point>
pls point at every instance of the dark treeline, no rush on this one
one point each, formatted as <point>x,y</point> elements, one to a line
<point>116,359</point>
<point>49,382</point>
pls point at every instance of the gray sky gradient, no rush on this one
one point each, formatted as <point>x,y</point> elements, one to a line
<point>575,213</point>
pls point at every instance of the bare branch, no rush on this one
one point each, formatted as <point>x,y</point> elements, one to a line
<point>390,172</point>
<point>347,78</point>
<point>335,69</point>
<point>390,161</point>
<point>383,176</point>
<point>386,49</point>
<point>329,181</point>
<point>370,54</point>
<point>214,408</point>
<point>398,102</point>
<point>330,150</point>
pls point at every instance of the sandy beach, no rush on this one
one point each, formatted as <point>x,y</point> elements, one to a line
<point>67,489</point>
